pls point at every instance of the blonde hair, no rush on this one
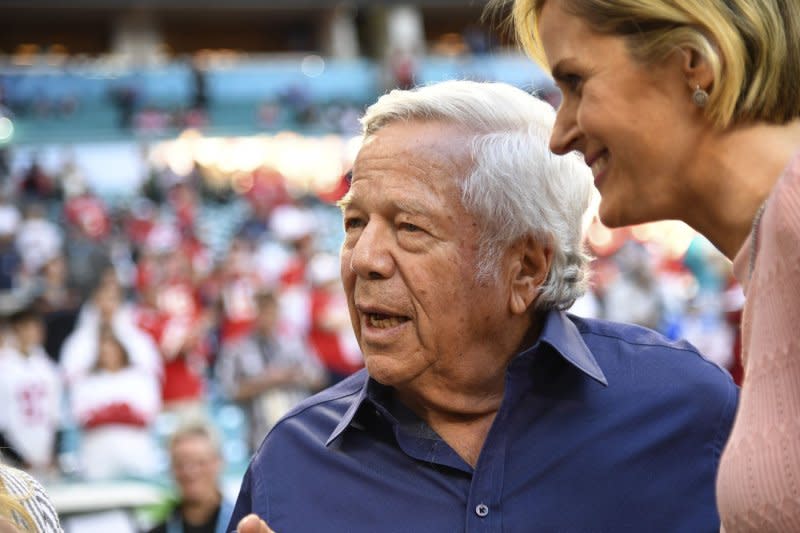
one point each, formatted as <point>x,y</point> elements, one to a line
<point>752,47</point>
<point>12,508</point>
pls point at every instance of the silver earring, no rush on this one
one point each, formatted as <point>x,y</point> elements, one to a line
<point>699,97</point>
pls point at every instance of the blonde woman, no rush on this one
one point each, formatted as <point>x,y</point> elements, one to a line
<point>24,506</point>
<point>688,109</point>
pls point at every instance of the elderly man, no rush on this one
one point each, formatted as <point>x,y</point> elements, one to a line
<point>196,465</point>
<point>485,407</point>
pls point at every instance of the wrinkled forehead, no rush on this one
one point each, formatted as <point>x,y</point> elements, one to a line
<point>428,151</point>
<point>426,136</point>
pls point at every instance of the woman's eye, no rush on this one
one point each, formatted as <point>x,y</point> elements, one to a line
<point>572,82</point>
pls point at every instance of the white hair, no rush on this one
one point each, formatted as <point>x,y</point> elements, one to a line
<point>196,428</point>
<point>516,186</point>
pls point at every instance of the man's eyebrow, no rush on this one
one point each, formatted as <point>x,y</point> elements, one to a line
<point>345,201</point>
<point>412,207</point>
<point>406,206</point>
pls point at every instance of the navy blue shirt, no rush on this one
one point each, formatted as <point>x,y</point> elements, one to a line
<point>603,427</point>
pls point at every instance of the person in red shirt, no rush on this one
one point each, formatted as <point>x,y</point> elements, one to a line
<point>170,311</point>
<point>331,335</point>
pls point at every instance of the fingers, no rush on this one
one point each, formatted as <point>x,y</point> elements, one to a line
<point>252,524</point>
<point>6,526</point>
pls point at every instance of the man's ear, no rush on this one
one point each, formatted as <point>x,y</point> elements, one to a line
<point>529,266</point>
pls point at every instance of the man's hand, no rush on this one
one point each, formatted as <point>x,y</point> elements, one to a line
<point>252,524</point>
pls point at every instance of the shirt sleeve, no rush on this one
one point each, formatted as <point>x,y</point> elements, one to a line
<point>244,504</point>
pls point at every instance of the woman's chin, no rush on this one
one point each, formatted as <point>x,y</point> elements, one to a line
<point>615,215</point>
<point>611,217</point>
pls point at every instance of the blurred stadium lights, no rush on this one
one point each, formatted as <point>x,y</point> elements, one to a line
<point>307,163</point>
<point>672,237</point>
<point>6,129</point>
<point>675,237</point>
<point>352,147</point>
<point>312,66</point>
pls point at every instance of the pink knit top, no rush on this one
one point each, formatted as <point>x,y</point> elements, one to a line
<point>758,485</point>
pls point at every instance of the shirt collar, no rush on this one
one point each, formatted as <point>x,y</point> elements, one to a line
<point>348,416</point>
<point>559,332</point>
<point>563,336</point>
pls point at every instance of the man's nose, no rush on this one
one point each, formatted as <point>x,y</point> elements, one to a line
<point>372,257</point>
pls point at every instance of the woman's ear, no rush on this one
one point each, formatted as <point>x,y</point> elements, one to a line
<point>696,69</point>
<point>530,266</point>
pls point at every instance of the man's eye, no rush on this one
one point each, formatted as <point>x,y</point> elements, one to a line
<point>353,223</point>
<point>405,226</point>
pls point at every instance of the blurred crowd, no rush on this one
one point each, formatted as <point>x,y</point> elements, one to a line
<point>691,295</point>
<point>117,313</point>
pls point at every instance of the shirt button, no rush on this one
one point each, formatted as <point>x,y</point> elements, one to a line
<point>481,509</point>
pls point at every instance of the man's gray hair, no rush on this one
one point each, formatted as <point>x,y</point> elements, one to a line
<point>195,428</point>
<point>516,186</point>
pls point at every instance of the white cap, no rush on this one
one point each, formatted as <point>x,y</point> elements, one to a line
<point>323,268</point>
<point>162,238</point>
<point>291,223</point>
<point>9,219</point>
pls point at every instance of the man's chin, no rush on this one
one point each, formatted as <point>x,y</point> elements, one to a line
<point>388,369</point>
<point>196,496</point>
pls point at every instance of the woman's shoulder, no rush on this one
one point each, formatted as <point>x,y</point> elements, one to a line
<point>781,220</point>
<point>792,173</point>
<point>785,196</point>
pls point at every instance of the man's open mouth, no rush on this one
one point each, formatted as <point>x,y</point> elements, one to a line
<point>381,321</point>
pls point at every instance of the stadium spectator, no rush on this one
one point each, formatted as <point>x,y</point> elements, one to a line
<point>196,464</point>
<point>38,239</point>
<point>58,302</point>
<point>267,372</point>
<point>30,393</point>
<point>634,295</point>
<point>37,184</point>
<point>10,259</point>
<point>88,231</point>
<point>115,404</point>
<point>331,334</point>
<point>170,311</point>
<point>295,227</point>
<point>106,308</point>
<point>238,287</point>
